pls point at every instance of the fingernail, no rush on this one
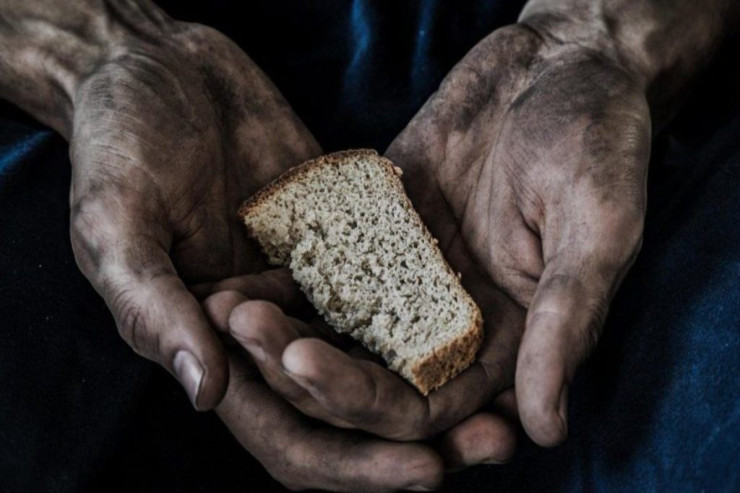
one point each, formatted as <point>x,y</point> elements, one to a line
<point>190,374</point>
<point>419,487</point>
<point>255,348</point>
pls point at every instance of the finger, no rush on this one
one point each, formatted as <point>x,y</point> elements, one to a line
<point>373,399</point>
<point>483,438</point>
<point>264,330</point>
<point>360,352</point>
<point>301,455</point>
<point>163,322</point>
<point>153,310</point>
<point>266,286</point>
<point>274,285</point>
<point>369,397</point>
<point>356,391</point>
<point>446,407</point>
<point>565,320</point>
<point>505,405</point>
<point>218,308</point>
<point>202,248</point>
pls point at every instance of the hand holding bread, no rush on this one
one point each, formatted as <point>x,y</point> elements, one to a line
<point>489,181</point>
<point>360,253</point>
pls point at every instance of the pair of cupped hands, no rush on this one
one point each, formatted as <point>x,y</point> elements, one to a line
<point>528,164</point>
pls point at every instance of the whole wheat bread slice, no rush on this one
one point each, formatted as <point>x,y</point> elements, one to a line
<point>363,257</point>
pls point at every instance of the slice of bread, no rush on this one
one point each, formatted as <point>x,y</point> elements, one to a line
<point>362,255</point>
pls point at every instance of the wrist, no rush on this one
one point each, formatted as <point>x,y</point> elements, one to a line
<point>661,46</point>
<point>51,47</point>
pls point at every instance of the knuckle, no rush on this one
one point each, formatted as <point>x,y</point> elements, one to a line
<point>90,210</point>
<point>198,38</point>
<point>417,428</point>
<point>590,337</point>
<point>252,310</point>
<point>564,281</point>
<point>590,334</point>
<point>630,223</point>
<point>294,456</point>
<point>364,409</point>
<point>512,276</point>
<point>132,325</point>
<point>289,470</point>
<point>86,257</point>
<point>86,225</point>
<point>425,423</point>
<point>626,225</point>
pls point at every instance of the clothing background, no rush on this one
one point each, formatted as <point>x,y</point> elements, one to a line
<point>657,407</point>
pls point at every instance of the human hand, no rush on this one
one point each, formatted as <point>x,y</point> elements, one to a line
<point>534,154</point>
<point>168,134</point>
<point>297,451</point>
<point>356,392</point>
<point>529,166</point>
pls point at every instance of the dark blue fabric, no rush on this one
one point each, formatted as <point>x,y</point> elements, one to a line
<point>656,409</point>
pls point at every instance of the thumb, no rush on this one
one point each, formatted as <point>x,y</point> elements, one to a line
<point>563,325</point>
<point>154,312</point>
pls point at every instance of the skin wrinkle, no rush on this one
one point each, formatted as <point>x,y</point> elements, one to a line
<point>86,255</point>
<point>142,168</point>
<point>583,114</point>
<point>529,203</point>
<point>468,111</point>
<point>222,98</point>
<point>159,75</point>
<point>129,321</point>
<point>153,15</point>
<point>130,18</point>
<point>106,185</point>
<point>585,57</point>
<point>444,247</point>
<point>461,182</point>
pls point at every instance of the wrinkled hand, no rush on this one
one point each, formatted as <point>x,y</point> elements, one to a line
<point>167,141</point>
<point>529,165</point>
<point>533,155</point>
<point>267,316</point>
<point>169,134</point>
<point>297,451</point>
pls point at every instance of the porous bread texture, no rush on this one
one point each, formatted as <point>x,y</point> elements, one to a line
<point>363,257</point>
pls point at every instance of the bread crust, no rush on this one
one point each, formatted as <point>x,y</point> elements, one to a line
<point>294,174</point>
<point>445,362</point>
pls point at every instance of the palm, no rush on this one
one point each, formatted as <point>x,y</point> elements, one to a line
<point>167,138</point>
<point>501,169</point>
<point>529,167</point>
<point>149,139</point>
<point>525,166</point>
